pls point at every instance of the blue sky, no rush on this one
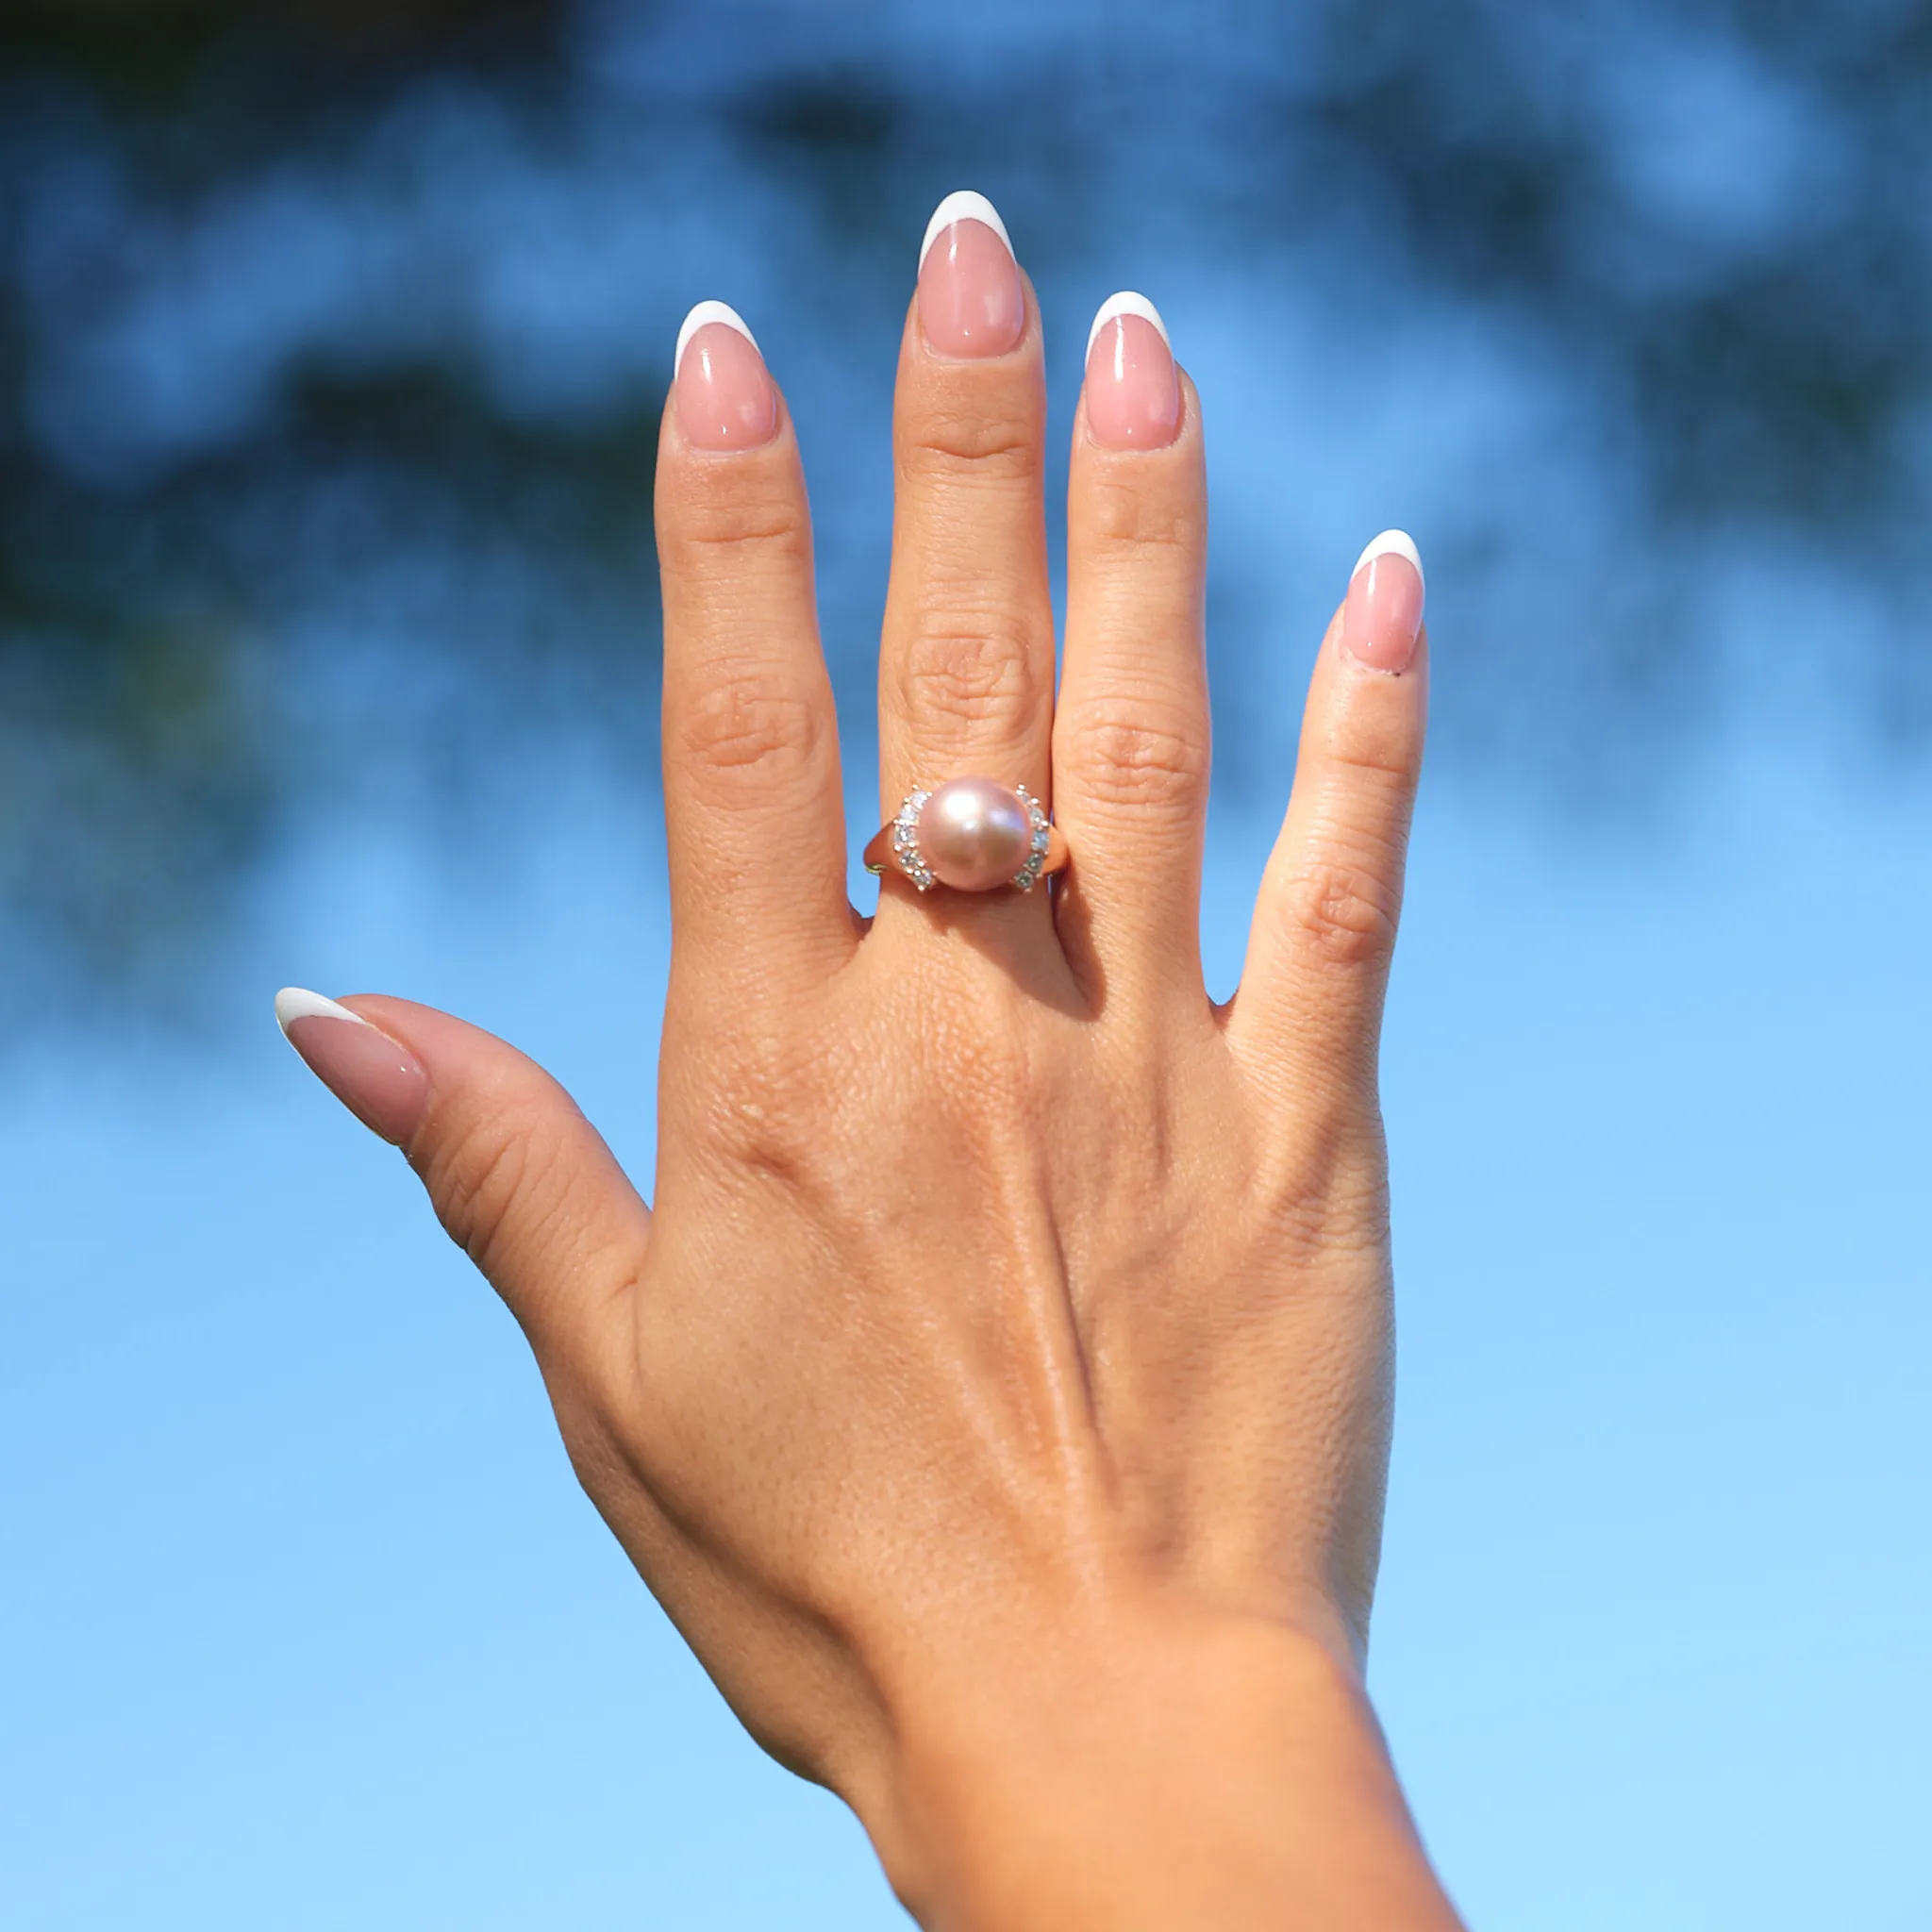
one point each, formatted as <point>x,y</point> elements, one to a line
<point>307,1623</point>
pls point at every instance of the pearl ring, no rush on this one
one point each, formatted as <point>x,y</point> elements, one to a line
<point>971,834</point>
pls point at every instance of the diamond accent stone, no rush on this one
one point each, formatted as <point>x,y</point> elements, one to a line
<point>1029,875</point>
<point>906,842</point>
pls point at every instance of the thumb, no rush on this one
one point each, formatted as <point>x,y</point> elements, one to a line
<point>519,1179</point>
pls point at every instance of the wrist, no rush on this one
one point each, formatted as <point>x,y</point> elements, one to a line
<point>1162,1770</point>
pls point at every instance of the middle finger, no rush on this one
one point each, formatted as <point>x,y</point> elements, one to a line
<point>966,661</point>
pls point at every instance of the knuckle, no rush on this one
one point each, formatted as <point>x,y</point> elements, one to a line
<point>1380,760</point>
<point>1142,523</point>
<point>744,725</point>
<point>485,1170</point>
<point>1117,755</point>
<point>970,669</point>
<point>1354,1212</point>
<point>1343,911</point>
<point>741,522</point>
<point>1314,1173</point>
<point>1328,1188</point>
<point>946,443</point>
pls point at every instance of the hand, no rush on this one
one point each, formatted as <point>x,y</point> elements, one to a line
<point>998,1397</point>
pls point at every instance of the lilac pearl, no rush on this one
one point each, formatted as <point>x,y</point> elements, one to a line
<point>973,834</point>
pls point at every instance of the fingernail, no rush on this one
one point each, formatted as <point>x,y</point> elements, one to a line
<point>1133,394</point>
<point>381,1082</point>
<point>970,299</point>
<point>1383,616</point>
<point>726,399</point>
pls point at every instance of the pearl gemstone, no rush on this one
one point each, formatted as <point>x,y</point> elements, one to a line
<point>973,834</point>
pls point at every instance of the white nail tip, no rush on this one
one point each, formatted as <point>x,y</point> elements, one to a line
<point>1398,541</point>
<point>963,205</point>
<point>1126,302</point>
<point>710,312</point>
<point>297,1002</point>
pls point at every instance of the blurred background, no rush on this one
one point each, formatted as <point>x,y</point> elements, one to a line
<point>332,342</point>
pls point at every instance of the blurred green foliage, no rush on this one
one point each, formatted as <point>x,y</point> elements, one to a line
<point>263,384</point>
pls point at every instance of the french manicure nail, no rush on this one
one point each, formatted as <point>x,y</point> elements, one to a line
<point>1383,616</point>
<point>379,1081</point>
<point>1133,394</point>
<point>970,298</point>
<point>726,398</point>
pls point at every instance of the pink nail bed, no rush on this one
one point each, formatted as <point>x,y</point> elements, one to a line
<point>971,303</point>
<point>381,1082</point>
<point>1383,617</point>
<point>1133,393</point>
<point>726,399</point>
